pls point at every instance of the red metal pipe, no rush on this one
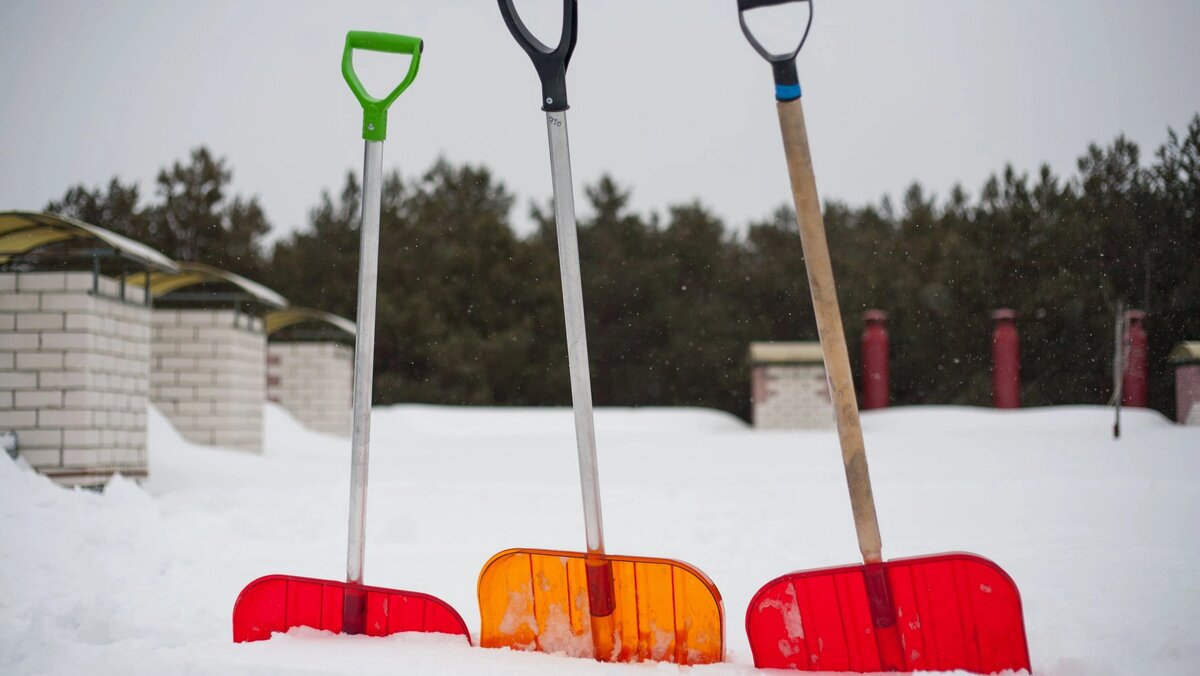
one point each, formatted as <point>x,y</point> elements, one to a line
<point>1006,361</point>
<point>876,373</point>
<point>1134,379</point>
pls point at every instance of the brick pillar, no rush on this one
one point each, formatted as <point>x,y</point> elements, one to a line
<point>1187,394</point>
<point>208,375</point>
<point>313,381</point>
<point>758,386</point>
<point>1134,379</point>
<point>876,374</point>
<point>789,389</point>
<point>1006,364</point>
<point>74,374</point>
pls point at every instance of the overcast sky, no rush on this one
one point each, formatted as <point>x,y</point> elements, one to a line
<point>665,94</point>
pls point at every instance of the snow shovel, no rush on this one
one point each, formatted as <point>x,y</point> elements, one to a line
<point>276,603</point>
<point>941,612</point>
<point>611,608</point>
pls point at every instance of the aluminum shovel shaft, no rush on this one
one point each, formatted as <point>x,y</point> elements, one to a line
<point>577,355</point>
<point>364,358</point>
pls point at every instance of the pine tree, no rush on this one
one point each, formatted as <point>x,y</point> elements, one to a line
<point>193,218</point>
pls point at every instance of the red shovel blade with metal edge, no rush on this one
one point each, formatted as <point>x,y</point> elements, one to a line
<point>277,603</point>
<point>945,612</point>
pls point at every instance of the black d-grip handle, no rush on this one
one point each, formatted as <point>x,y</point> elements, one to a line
<point>550,62</point>
<point>787,82</point>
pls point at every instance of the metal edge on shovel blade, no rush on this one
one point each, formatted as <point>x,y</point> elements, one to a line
<point>663,610</point>
<point>952,611</point>
<point>276,603</point>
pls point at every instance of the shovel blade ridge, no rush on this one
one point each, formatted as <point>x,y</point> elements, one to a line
<point>276,603</point>
<point>662,610</point>
<point>951,611</point>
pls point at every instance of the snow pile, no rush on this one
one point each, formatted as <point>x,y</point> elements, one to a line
<point>1100,535</point>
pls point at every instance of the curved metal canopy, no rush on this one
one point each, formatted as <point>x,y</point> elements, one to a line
<point>191,274</point>
<point>281,319</point>
<point>23,231</point>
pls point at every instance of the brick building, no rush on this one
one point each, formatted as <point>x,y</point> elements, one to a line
<point>1185,357</point>
<point>74,346</point>
<point>789,388</point>
<point>208,354</point>
<point>310,367</point>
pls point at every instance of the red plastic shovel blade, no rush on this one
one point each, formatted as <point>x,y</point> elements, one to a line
<point>946,612</point>
<point>276,603</point>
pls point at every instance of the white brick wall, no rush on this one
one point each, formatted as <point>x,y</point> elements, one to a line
<point>208,375</point>
<point>74,374</point>
<point>313,381</point>
<point>791,396</point>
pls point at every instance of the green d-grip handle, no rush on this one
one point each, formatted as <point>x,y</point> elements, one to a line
<point>375,110</point>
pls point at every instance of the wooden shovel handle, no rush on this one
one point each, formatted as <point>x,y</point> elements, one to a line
<point>829,326</point>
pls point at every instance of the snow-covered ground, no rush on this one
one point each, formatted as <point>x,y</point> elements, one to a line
<point>1101,536</point>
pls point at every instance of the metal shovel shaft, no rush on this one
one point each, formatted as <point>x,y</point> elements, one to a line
<point>364,358</point>
<point>1119,354</point>
<point>577,356</point>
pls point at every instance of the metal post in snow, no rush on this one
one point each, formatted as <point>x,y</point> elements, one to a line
<point>1006,364</point>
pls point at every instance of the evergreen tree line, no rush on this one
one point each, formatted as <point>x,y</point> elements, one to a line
<point>470,313</point>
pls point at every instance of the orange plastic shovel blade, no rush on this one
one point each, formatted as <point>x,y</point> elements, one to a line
<point>276,603</point>
<point>536,599</point>
<point>945,612</point>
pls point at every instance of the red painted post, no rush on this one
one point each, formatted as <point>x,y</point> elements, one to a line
<point>876,373</point>
<point>1006,360</point>
<point>1134,379</point>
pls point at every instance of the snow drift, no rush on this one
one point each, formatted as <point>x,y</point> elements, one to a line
<point>1100,535</point>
